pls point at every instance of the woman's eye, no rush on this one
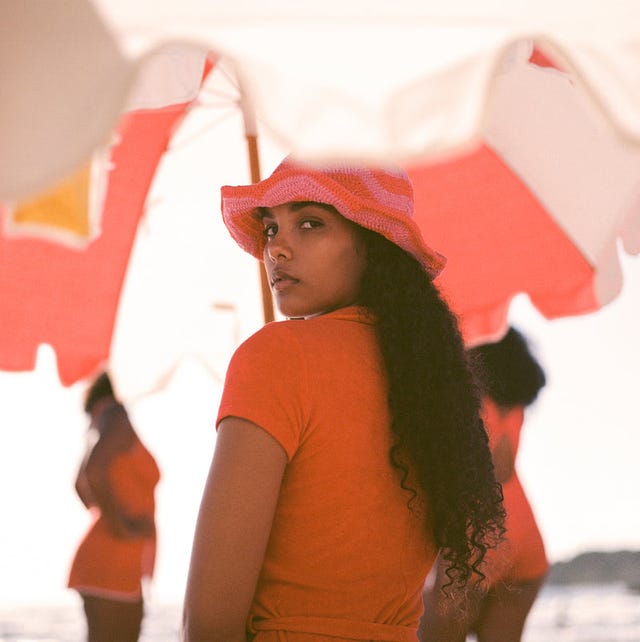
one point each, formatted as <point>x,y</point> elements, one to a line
<point>310,224</point>
<point>270,230</point>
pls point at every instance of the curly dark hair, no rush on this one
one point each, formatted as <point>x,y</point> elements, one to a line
<point>506,370</point>
<point>440,441</point>
<point>99,389</point>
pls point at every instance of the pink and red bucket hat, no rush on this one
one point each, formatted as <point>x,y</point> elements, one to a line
<point>378,199</point>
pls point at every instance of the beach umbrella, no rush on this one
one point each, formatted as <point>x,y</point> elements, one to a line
<point>64,295</point>
<point>413,83</point>
<point>361,78</point>
<point>541,206</point>
<point>63,265</point>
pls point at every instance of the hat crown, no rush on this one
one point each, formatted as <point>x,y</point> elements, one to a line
<point>389,188</point>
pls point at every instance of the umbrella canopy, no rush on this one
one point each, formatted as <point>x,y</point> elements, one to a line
<point>539,207</point>
<point>445,92</point>
<point>63,281</point>
<point>65,296</point>
<point>364,78</point>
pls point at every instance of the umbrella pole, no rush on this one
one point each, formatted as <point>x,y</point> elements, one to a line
<point>254,166</point>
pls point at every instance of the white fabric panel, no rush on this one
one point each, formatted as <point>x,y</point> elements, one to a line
<point>63,82</point>
<point>373,79</point>
<point>550,134</point>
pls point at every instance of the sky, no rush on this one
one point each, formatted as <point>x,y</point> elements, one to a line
<point>578,454</point>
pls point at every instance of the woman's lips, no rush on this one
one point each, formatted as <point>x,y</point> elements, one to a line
<point>281,281</point>
<point>283,284</point>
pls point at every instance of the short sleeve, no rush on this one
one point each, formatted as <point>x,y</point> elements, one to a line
<point>267,383</point>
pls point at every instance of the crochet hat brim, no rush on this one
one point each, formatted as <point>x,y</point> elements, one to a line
<point>298,183</point>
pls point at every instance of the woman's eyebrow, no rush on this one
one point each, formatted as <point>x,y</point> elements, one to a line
<point>265,212</point>
<point>262,212</point>
<point>298,205</point>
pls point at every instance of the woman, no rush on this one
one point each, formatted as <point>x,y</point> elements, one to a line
<point>350,447</point>
<point>509,378</point>
<point>116,482</point>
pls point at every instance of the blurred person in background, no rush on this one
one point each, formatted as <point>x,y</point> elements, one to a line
<point>509,379</point>
<point>116,482</point>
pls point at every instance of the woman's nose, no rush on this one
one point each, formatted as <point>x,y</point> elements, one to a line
<point>279,248</point>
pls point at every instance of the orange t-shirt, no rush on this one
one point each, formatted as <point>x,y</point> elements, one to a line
<point>346,557</point>
<point>522,556</point>
<point>111,567</point>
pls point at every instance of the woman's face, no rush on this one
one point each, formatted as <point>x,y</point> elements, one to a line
<point>314,258</point>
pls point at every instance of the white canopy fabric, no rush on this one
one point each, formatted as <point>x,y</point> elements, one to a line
<point>341,78</point>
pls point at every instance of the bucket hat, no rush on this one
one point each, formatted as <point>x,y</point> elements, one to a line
<point>378,199</point>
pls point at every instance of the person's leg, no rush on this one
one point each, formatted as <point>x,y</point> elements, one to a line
<point>504,611</point>
<point>112,620</point>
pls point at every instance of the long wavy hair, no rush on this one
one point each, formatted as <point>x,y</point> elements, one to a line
<point>440,443</point>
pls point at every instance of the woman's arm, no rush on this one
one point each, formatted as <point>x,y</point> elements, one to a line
<point>503,459</point>
<point>232,532</point>
<point>500,422</point>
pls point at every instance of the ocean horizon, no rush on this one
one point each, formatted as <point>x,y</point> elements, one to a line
<point>573,613</point>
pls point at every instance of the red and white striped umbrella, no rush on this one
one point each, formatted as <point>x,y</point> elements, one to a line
<point>153,280</point>
<point>526,177</point>
<point>538,208</point>
<point>61,280</point>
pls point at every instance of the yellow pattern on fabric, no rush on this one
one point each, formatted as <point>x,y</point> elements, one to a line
<point>64,208</point>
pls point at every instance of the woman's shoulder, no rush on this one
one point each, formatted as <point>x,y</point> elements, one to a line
<point>273,339</point>
<point>301,335</point>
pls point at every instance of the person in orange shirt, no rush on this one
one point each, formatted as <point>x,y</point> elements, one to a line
<point>350,447</point>
<point>509,378</point>
<point>116,482</point>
